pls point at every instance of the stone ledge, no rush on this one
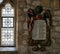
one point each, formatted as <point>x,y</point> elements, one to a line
<point>8,49</point>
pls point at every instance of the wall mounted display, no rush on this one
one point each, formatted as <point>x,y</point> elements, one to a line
<point>39,24</point>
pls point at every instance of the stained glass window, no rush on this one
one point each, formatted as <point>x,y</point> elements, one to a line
<point>7,30</point>
<point>7,36</point>
<point>8,11</point>
<point>7,22</point>
<point>1,1</point>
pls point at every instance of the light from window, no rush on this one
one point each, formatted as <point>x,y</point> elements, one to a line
<point>7,30</point>
<point>1,1</point>
<point>7,36</point>
<point>7,22</point>
<point>8,11</point>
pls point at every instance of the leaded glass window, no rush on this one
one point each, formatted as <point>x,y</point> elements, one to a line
<point>7,22</point>
<point>7,30</point>
<point>7,36</point>
<point>1,1</point>
<point>8,11</point>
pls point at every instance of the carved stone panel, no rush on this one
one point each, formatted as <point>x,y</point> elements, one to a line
<point>39,30</point>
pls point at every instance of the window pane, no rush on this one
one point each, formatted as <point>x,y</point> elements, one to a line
<point>1,1</point>
<point>7,36</point>
<point>7,22</point>
<point>8,11</point>
<point>7,30</point>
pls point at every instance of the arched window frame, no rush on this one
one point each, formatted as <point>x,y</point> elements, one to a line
<point>14,5</point>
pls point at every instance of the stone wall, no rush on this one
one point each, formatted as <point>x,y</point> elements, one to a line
<point>23,35</point>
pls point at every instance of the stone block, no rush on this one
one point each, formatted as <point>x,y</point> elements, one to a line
<point>25,37</point>
<point>21,18</point>
<point>24,42</point>
<point>57,12</point>
<point>23,49</point>
<point>35,3</point>
<point>57,28</point>
<point>22,4</point>
<point>56,18</point>
<point>54,4</point>
<point>45,3</point>
<point>28,6</point>
<point>28,1</point>
<point>20,39</point>
<point>54,23</point>
<point>25,9</point>
<point>58,42</point>
<point>25,33</point>
<point>25,26</point>
<point>19,12</point>
<point>55,35</point>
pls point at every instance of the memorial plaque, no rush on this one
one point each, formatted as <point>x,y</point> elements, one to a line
<point>39,30</point>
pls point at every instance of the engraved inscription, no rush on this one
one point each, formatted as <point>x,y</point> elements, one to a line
<point>39,30</point>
